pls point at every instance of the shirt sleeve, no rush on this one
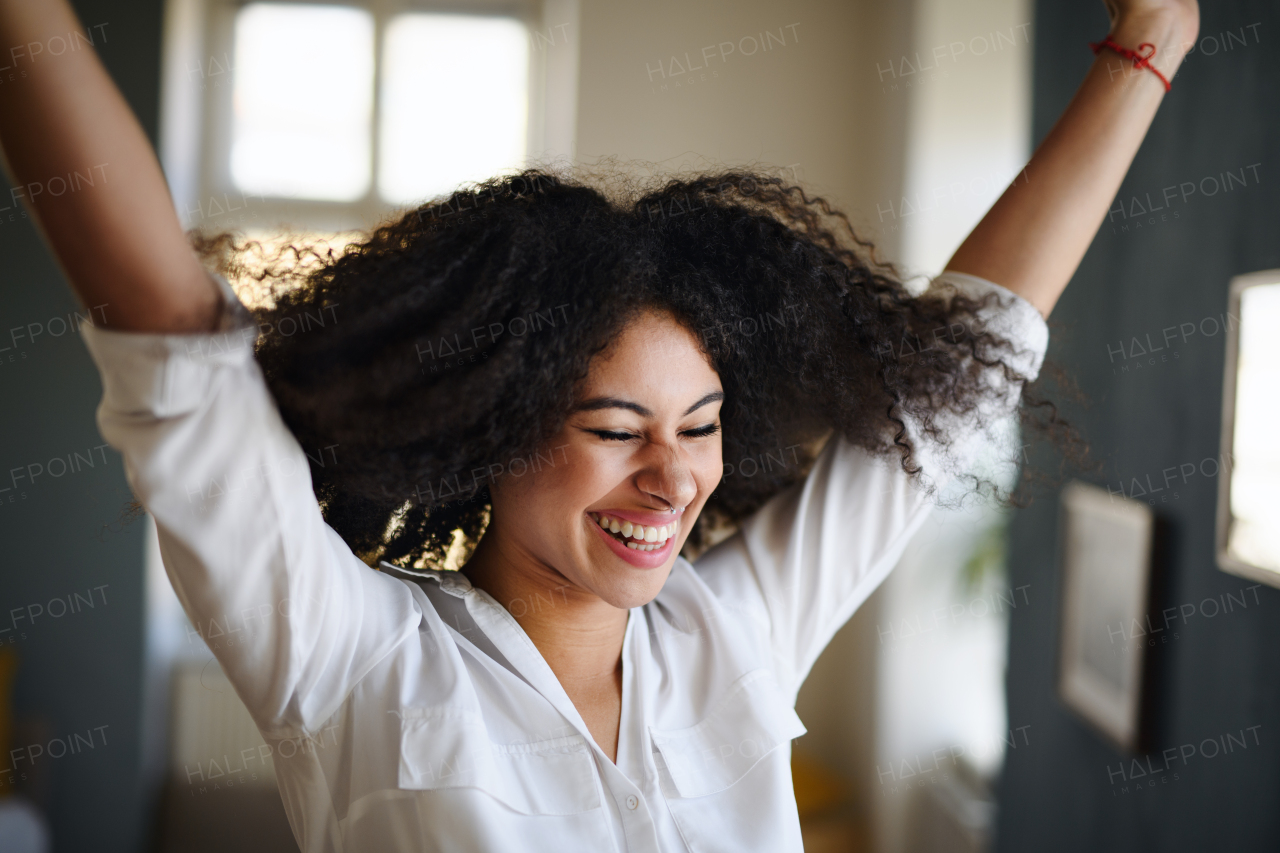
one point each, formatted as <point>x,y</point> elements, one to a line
<point>293,616</point>
<point>804,562</point>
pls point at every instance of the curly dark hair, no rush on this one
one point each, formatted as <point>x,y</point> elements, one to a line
<point>457,334</point>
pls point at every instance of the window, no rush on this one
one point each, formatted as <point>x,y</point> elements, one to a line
<point>327,117</point>
<point>302,101</point>
<point>454,101</point>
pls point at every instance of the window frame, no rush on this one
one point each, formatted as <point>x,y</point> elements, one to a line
<point>201,32</point>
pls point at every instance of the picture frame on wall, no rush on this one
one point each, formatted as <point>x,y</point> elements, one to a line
<point>1107,544</point>
<point>1248,468</point>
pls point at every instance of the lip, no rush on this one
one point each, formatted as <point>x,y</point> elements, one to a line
<point>648,519</point>
<point>639,559</point>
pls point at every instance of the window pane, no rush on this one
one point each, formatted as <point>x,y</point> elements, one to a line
<point>303,101</point>
<point>454,102</point>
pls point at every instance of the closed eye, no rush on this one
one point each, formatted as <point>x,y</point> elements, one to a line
<point>608,435</point>
<point>696,432</point>
<point>702,431</point>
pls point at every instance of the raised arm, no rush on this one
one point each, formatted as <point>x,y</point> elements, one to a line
<point>1033,238</point>
<point>118,241</point>
<point>293,616</point>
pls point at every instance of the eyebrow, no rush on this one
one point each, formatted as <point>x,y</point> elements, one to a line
<point>595,404</point>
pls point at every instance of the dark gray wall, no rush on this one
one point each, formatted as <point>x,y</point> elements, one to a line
<point>80,671</point>
<point>1213,674</point>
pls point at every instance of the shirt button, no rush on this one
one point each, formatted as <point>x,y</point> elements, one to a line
<point>632,803</point>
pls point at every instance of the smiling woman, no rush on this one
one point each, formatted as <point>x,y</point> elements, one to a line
<point>635,393</point>
<point>578,684</point>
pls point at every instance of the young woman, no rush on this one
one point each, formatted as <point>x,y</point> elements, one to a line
<point>563,387</point>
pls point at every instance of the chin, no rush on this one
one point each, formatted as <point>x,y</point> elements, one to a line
<point>625,593</point>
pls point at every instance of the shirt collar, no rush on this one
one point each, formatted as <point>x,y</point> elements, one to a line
<point>502,629</point>
<point>455,583</point>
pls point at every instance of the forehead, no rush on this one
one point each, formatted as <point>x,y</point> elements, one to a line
<point>654,348</point>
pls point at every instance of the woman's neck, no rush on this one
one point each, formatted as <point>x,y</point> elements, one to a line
<point>579,634</point>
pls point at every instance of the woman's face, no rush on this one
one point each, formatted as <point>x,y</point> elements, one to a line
<point>645,438</point>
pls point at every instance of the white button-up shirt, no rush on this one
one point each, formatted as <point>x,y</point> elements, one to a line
<point>412,712</point>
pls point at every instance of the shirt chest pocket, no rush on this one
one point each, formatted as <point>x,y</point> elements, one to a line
<point>726,780</point>
<point>448,751</point>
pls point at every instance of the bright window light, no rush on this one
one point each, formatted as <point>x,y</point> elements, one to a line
<point>454,102</point>
<point>1255,454</point>
<point>303,101</point>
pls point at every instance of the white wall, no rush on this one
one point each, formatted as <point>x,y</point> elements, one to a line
<point>969,125</point>
<point>810,103</point>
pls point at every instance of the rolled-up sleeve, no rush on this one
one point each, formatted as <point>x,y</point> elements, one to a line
<point>805,561</point>
<point>293,616</point>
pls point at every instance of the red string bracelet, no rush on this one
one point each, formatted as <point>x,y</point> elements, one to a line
<point>1140,60</point>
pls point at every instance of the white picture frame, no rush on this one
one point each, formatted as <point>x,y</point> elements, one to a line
<point>1107,545</point>
<point>1247,531</point>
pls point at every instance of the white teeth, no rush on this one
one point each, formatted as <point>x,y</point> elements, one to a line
<point>640,538</point>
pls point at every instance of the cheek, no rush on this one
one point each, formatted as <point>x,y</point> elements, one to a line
<point>568,479</point>
<point>591,471</point>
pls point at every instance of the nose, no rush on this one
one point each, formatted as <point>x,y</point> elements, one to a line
<point>668,476</point>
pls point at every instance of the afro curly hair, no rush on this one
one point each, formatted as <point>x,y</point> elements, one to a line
<point>462,329</point>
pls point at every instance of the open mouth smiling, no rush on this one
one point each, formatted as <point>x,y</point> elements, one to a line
<point>637,537</point>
